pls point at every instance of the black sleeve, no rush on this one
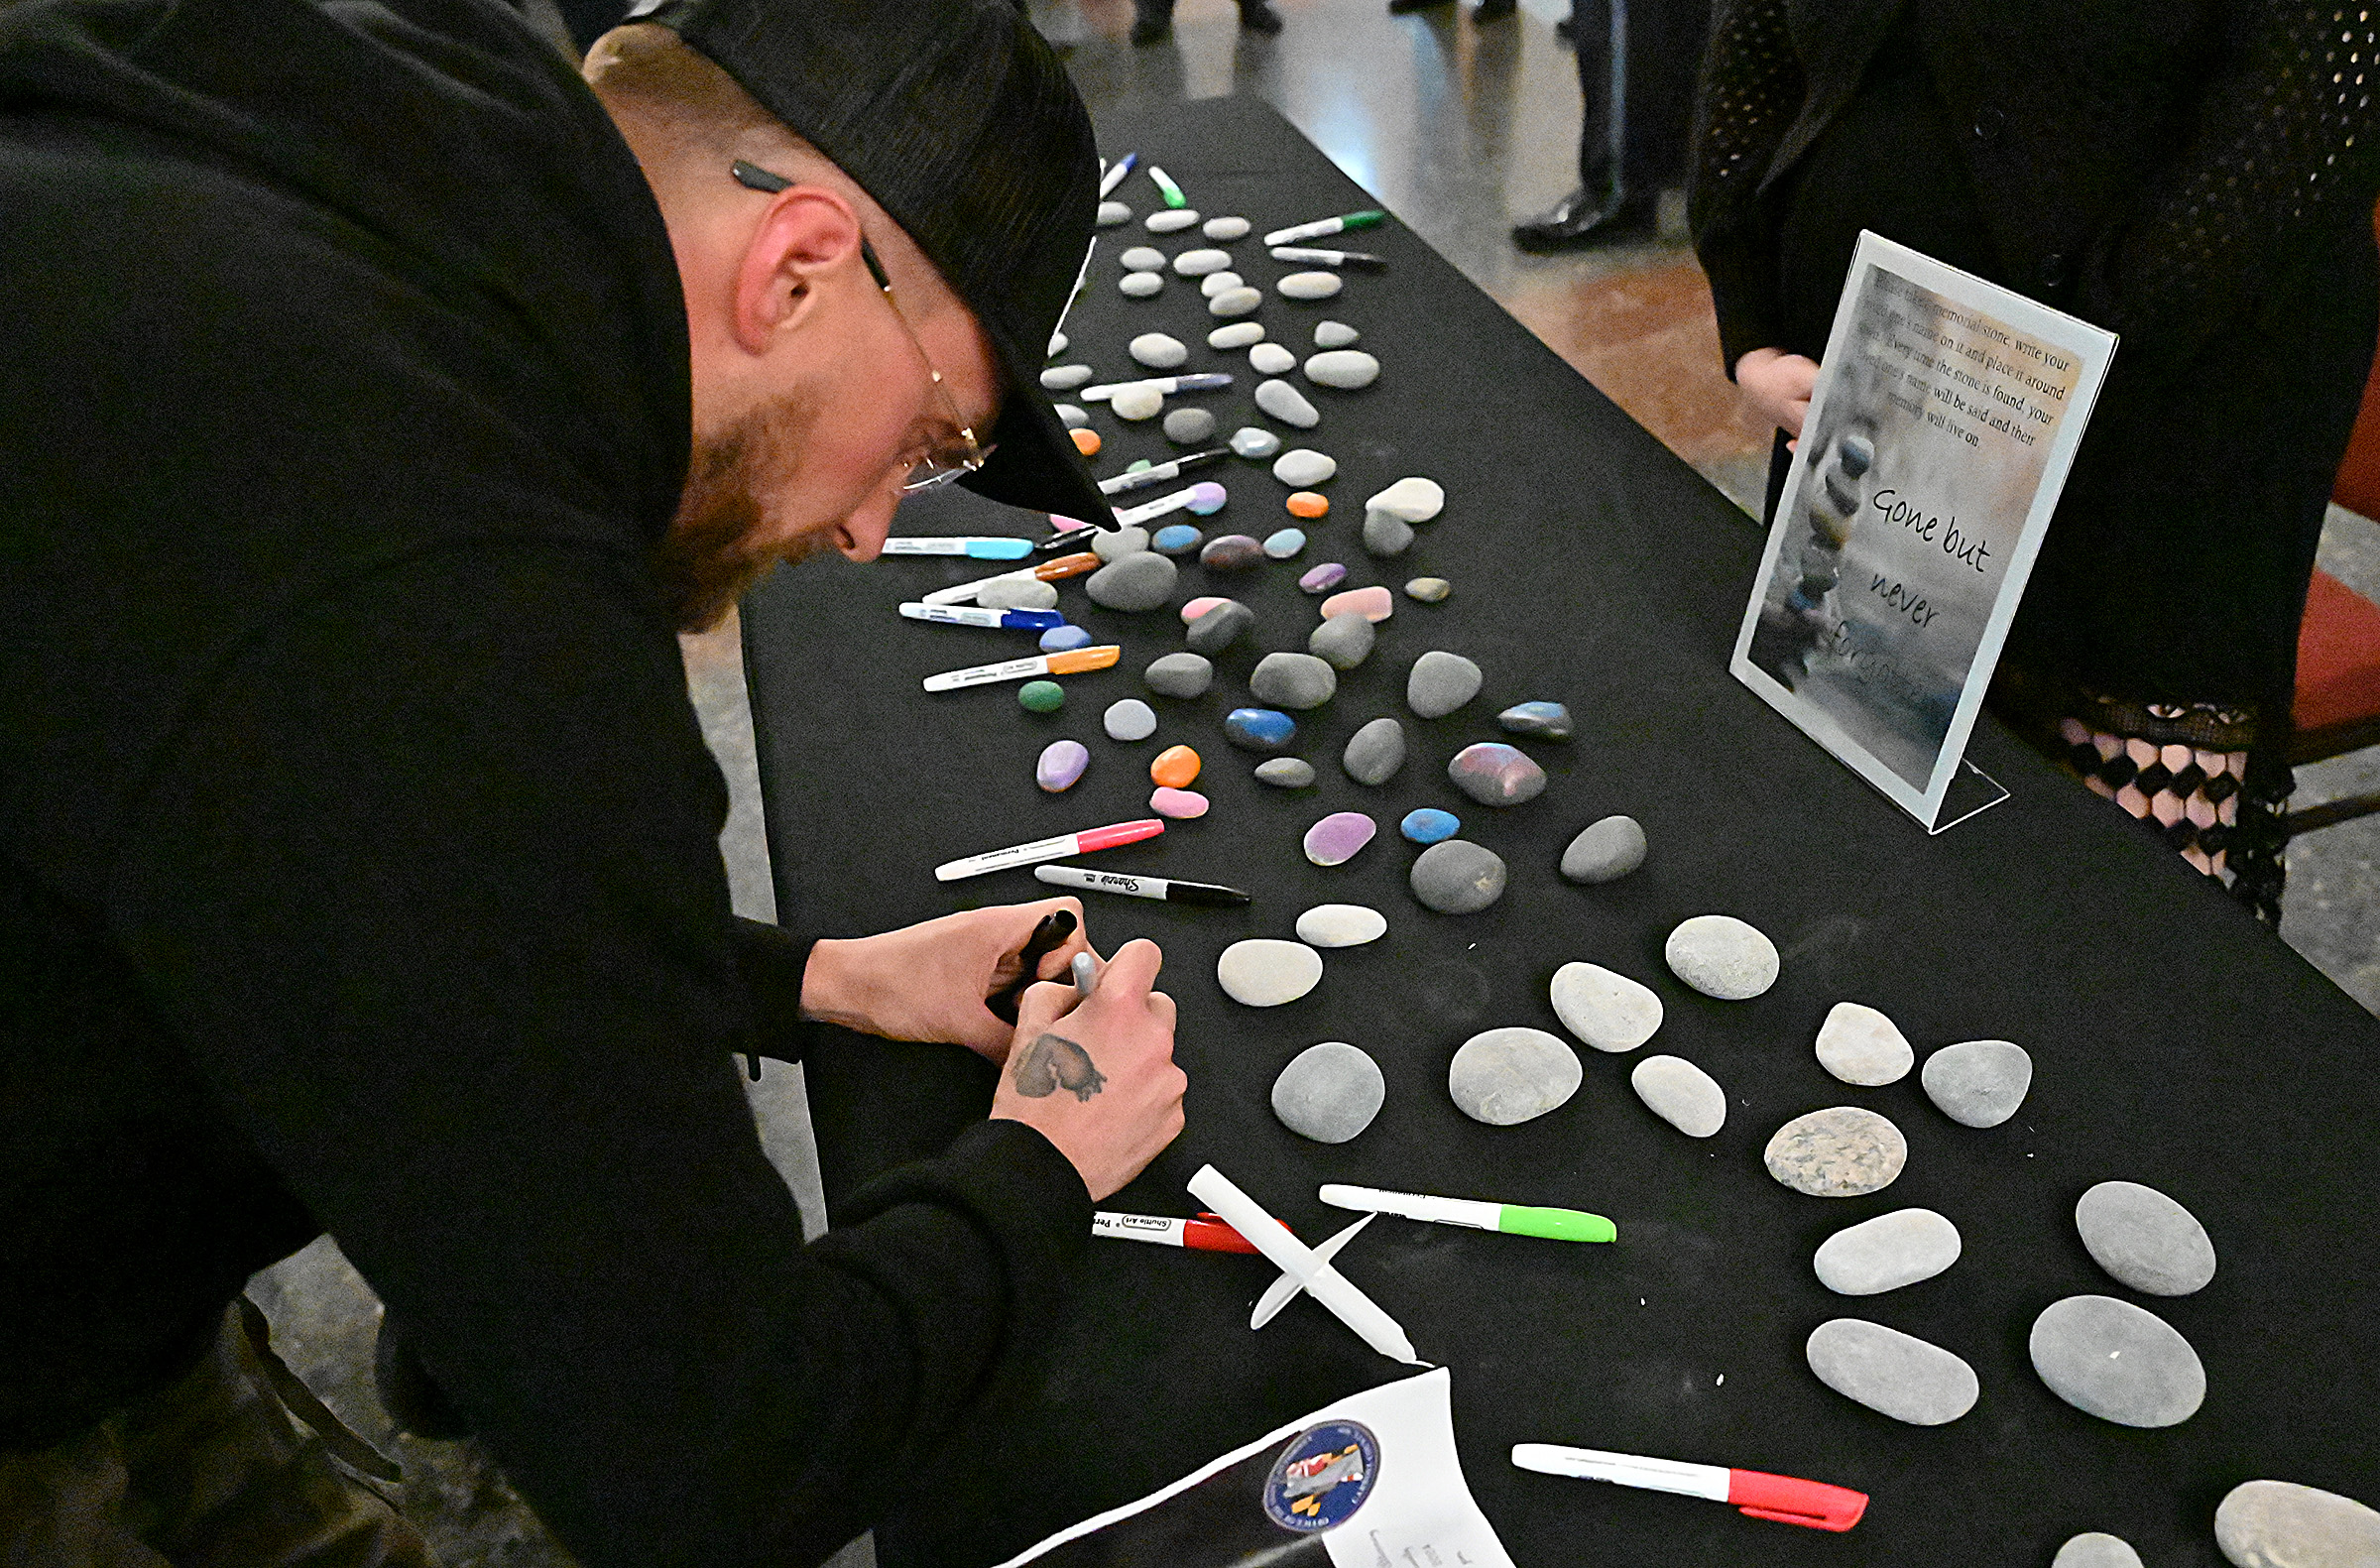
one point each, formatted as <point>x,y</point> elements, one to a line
<point>1749,92</point>
<point>772,962</point>
<point>430,885</point>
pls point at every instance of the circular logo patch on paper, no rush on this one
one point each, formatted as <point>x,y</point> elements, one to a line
<point>1322,1477</point>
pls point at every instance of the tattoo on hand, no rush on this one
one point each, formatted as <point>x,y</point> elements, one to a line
<point>1054,1062</point>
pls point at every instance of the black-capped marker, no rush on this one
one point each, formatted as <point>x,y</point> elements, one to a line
<point>1164,888</point>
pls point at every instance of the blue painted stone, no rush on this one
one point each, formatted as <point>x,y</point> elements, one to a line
<point>1287,542</point>
<point>1176,539</point>
<point>1551,720</point>
<point>1061,639</point>
<point>1429,825</point>
<point>1259,729</point>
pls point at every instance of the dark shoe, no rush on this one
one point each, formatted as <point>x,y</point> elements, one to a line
<point>1564,31</point>
<point>1261,18</point>
<point>1586,218</point>
<point>1151,24</point>
<point>1405,7</point>
<point>1493,10</point>
<point>416,1405</point>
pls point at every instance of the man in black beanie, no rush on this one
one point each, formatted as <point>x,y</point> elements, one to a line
<point>380,401</point>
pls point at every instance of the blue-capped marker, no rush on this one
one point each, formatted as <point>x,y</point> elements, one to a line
<point>1115,174</point>
<point>973,615</point>
<point>975,546</point>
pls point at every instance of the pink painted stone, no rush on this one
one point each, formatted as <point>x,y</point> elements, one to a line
<point>1198,607</point>
<point>1334,840</point>
<point>1494,773</point>
<point>1061,764</point>
<point>1180,804</point>
<point>1323,578</point>
<point>1375,604</point>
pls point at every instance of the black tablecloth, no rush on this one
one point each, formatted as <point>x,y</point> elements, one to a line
<point>2175,1042</point>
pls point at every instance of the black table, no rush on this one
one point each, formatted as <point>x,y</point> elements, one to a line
<point>2175,1042</point>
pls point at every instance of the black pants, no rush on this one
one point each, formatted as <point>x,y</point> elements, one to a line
<point>1637,60</point>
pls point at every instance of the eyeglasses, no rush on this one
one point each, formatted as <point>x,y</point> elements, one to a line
<point>948,460</point>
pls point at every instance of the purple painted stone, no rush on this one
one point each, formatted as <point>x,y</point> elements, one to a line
<point>1323,578</point>
<point>1206,498</point>
<point>1061,764</point>
<point>1334,840</point>
<point>1230,553</point>
<point>1494,773</point>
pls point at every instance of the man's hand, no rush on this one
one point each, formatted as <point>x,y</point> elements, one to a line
<point>1778,385</point>
<point>1098,1079</point>
<point>929,981</point>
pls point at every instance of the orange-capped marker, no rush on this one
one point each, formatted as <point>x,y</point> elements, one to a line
<point>1086,441</point>
<point>1175,768</point>
<point>1073,662</point>
<point>1048,571</point>
<point>1307,504</point>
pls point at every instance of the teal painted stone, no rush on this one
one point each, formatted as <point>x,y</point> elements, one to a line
<point>1041,696</point>
<point>1429,825</point>
<point>1259,729</point>
<point>1287,542</point>
<point>1547,720</point>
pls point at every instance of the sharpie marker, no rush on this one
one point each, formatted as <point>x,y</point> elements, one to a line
<point>1047,571</point>
<point>1294,1257</point>
<point>1145,478</point>
<point>1115,174</point>
<point>1072,662</point>
<point>1812,1503</point>
<point>1166,187</point>
<point>1080,533</point>
<point>975,546</point>
<point>1205,490</point>
<point>1561,1225</point>
<point>1361,261</point>
<point>1058,848</point>
<point>969,615</point>
<point>1316,230</point>
<point>1166,386</point>
<point>1172,892</point>
<point>1206,1234</point>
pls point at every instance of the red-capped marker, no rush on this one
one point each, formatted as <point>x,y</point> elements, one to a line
<point>1206,1234</point>
<point>1788,1500</point>
<point>1058,848</point>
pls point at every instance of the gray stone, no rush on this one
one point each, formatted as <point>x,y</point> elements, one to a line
<point>1296,681</point>
<point>1142,258</point>
<point>1221,627</point>
<point>1979,1083</point>
<point>1722,957</point>
<point>1139,581</point>
<point>1237,335</point>
<point>1171,220</point>
<point>1886,1253</point>
<point>1413,499</point>
<point>1230,553</point>
<point>2145,1239</point>
<point>1112,213</point>
<point>1073,417</point>
<point>1178,674</point>
<point>1841,1153</point>
<point>1130,719</point>
<point>1189,426</point>
<point>1546,720</point>
<point>1892,1373</point>
<point>1263,972</point>
<point>2282,1524</point>
<point>1439,683</point>
<point>1241,300</point>
<point>1506,1076</point>
<point>1271,359</point>
<point>1017,593</point>
<point>1860,1045</point>
<point>1303,467</point>
<point>1345,640</point>
<point>1457,877</point>
<point>1254,442</point>
<point>1065,378</point>
<point>1429,590</point>
<point>1375,752</point>
<point>1605,851</point>
<point>2097,1549</point>
<point>1328,1092</point>
<point>1348,369</point>
<point>1115,543</point>
<point>1310,285</point>
<point>1137,401</point>
<point>1285,773</point>
<point>2118,1361</point>
<point>1341,925</point>
<point>1286,403</point>
<point>1158,350</point>
<point>1494,773</point>
<point>1681,1094</point>
<point>1140,285</point>
<point>1386,536</point>
<point>1201,262</point>
<point>1334,334</point>
<point>1607,1009</point>
<point>1217,282</point>
<point>1223,230</point>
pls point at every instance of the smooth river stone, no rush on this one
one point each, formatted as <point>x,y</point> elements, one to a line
<point>1175,765</point>
<point>1235,302</point>
<point>1061,764</point>
<point>1189,426</point>
<point>1073,417</point>
<point>1373,603</point>
<point>1271,359</point>
<point>1223,230</point>
<point>1239,334</point>
<point>1132,583</point>
<point>1296,681</point>
<point>2145,1239</point>
<point>1065,378</point>
<point>1177,539</point>
<point>1323,577</point>
<point>2097,1549</point>
<point>1721,956</point>
<point>2118,1361</point>
<point>2282,1524</point>
<point>1348,369</point>
<point>1413,499</point>
<point>1328,1092</point>
<point>1285,773</point>
<point>1017,593</point>
<point>1892,1373</point>
<point>1335,334</point>
<point>1115,543</point>
<point>1303,468</point>
<point>1215,282</point>
<point>1607,1009</point>
<point>1180,804</point>
<point>1979,1083</point>
<point>1263,972</point>
<point>1886,1253</point>
<point>1860,1045</point>
<point>1545,720</point>
<point>1375,752</point>
<point>1259,729</point>
<point>1284,544</point>
<point>1142,258</point>
<point>1199,263</point>
<point>1429,825</point>
<point>1221,627</point>
<point>1841,1153</point>
<point>1064,639</point>
<point>1605,851</point>
<point>1136,401</point>
<point>1494,773</point>
<point>1341,925</point>
<point>1141,284</point>
<point>1457,877</point>
<point>1179,674</point>
<point>1255,443</point>
<point>1429,590</point>
<point>1286,403</point>
<point>1205,498</point>
<point>1681,1094</point>
<point>1230,553</point>
<point>1171,220</point>
<point>1310,285</point>
<point>1439,683</point>
<point>1508,1076</point>
<point>1128,720</point>
<point>1041,696</point>
<point>1158,350</point>
<point>1112,213</point>
<point>1343,640</point>
<point>1386,537</point>
<point>1335,839</point>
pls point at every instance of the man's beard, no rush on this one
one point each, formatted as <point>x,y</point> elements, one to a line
<point>711,554</point>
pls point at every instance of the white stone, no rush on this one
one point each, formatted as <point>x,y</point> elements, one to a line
<point>1335,334</point>
<point>1137,401</point>
<point>1144,258</point>
<point>1237,335</point>
<point>2282,1524</point>
<point>1348,369</point>
<point>1116,543</point>
<point>1074,419</point>
<point>1310,286</point>
<point>1057,344</point>
<point>1016,594</point>
<point>1286,403</point>
<point>1199,263</point>
<point>1065,378</point>
<point>1140,285</point>
<point>1410,500</point>
<point>1304,468</point>
<point>1506,1076</point>
<point>1254,442</point>
<point>1721,956</point>
<point>1215,282</point>
<point>1979,1083</point>
<point>1243,300</point>
<point>1328,1092</point>
<point>2095,1549</point>
<point>1171,220</point>
<point>1859,1044</point>
<point>1271,359</point>
<point>1681,1094</point>
<point>1341,925</point>
<point>1892,1373</point>
<point>1112,213</point>
<point>1264,973</point>
<point>1158,350</point>
<point>1128,720</point>
<point>1609,1011</point>
<point>1225,230</point>
<point>1886,1253</point>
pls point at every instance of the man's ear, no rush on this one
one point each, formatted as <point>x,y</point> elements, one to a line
<point>810,234</point>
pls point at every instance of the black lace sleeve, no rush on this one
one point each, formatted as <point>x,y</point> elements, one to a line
<point>1750,89</point>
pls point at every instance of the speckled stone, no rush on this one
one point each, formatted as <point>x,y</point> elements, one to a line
<point>2282,1524</point>
<point>1237,335</point>
<point>1136,400</point>
<point>1179,674</point>
<point>1323,577</point>
<point>1064,639</point>
<point>1429,825</point>
<point>1413,499</point>
<point>1457,877</point>
<point>1132,583</point>
<point>1017,593</point>
<point>1892,1373</point>
<point>1158,350</point>
<point>1494,773</point>
<point>1235,302</point>
<point>1263,972</point>
<point>1681,1094</point>
<point>1180,804</point>
<point>1841,1153</point>
<point>1386,537</point>
<point>1073,417</point>
<point>1128,720</point>
<point>1061,763</point>
<point>1428,590</point>
<point>1189,426</point>
<point>1296,681</point>
<point>1335,334</point>
<point>1546,720</point>
<point>1230,553</point>
<point>2099,1549</point>
<point>1303,467</point>
<point>1141,284</point>
<point>1177,539</point>
<point>1221,627</point>
<point>1110,213</point>
<point>1605,1007</point>
<point>1285,773</point>
<point>1286,403</point>
<point>1259,729</point>
<point>1041,696</point>
<point>1375,752</point>
<point>1142,258</point>
<point>1347,369</point>
<point>1200,262</point>
<point>1065,378</point>
<point>1979,1083</point>
<point>1605,851</point>
<point>1721,956</point>
<point>1215,282</point>
<point>1343,640</point>
<point>1310,285</point>
<point>2145,1239</point>
<point>1886,1253</point>
<point>1374,604</point>
<point>1341,925</point>
<point>1115,543</point>
<point>1254,444</point>
<point>2118,1361</point>
<point>1284,544</point>
<point>1335,839</point>
<point>1439,683</point>
<point>1506,1076</point>
<point>1171,220</point>
<point>1223,231</point>
<point>1271,359</point>
<point>1328,1092</point>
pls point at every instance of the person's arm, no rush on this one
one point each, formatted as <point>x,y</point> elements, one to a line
<point>1749,91</point>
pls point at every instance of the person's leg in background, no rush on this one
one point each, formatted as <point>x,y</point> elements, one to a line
<point>1153,20</point>
<point>1637,68</point>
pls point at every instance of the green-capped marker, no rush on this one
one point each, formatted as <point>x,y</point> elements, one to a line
<point>1560,1225</point>
<point>1320,227</point>
<point>1166,187</point>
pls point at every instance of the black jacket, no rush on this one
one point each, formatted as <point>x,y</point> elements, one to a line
<point>358,862</point>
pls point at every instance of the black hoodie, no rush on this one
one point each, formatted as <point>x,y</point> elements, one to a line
<point>358,862</point>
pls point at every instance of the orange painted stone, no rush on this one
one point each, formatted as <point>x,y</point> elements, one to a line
<point>1374,604</point>
<point>1306,504</point>
<point>1175,768</point>
<point>1086,442</point>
